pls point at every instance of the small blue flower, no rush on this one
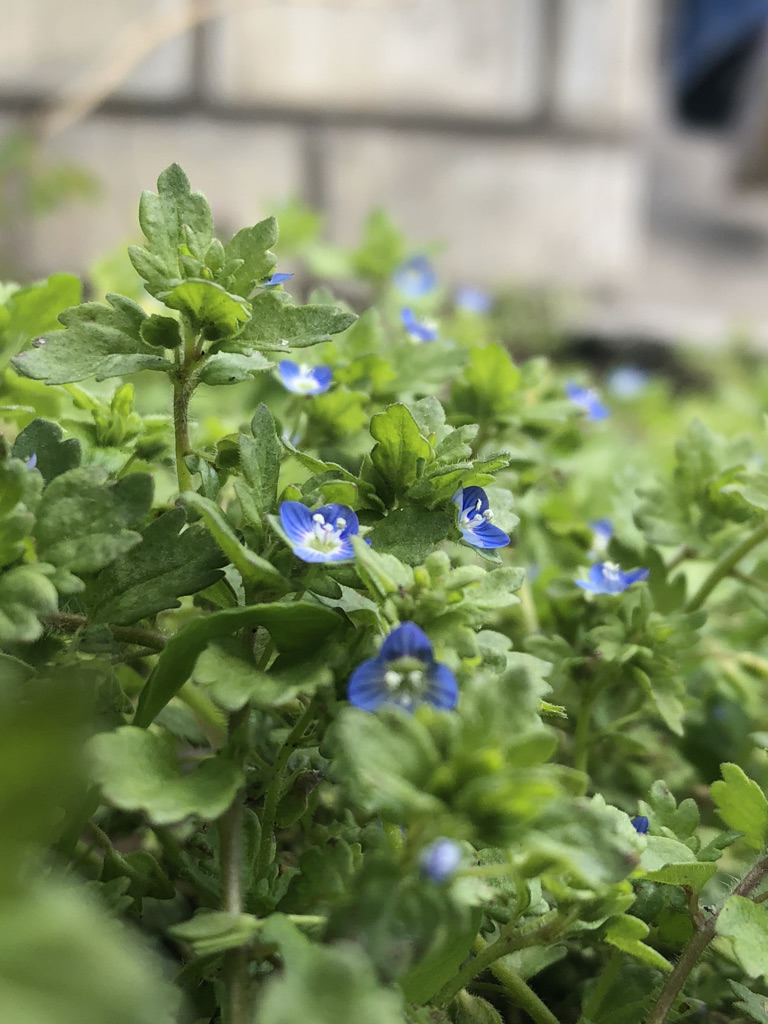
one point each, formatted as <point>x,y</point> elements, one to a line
<point>418,330</point>
<point>473,300</point>
<point>322,535</point>
<point>415,277</point>
<point>588,400</point>
<point>608,578</point>
<point>440,861</point>
<point>640,824</point>
<point>602,531</point>
<point>475,519</point>
<point>303,379</point>
<point>627,381</point>
<point>275,280</point>
<point>32,461</point>
<point>405,673</point>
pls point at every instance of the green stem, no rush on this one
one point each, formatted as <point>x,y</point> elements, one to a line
<point>725,564</point>
<point>508,941</point>
<point>230,825</point>
<point>126,634</point>
<point>182,392</point>
<point>522,995</point>
<point>528,608</point>
<point>697,944</point>
<point>602,988</point>
<point>210,718</point>
<point>276,784</point>
<point>581,736</point>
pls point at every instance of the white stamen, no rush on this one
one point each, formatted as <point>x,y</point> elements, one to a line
<point>611,571</point>
<point>392,680</point>
<point>415,678</point>
<point>318,518</point>
<point>341,523</point>
<point>488,515</point>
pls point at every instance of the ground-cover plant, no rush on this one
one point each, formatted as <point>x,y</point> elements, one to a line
<point>402,683</point>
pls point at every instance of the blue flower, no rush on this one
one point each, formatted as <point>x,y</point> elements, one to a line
<point>405,673</point>
<point>475,519</point>
<point>418,330</point>
<point>640,824</point>
<point>473,300</point>
<point>627,381</point>
<point>602,531</point>
<point>303,379</point>
<point>275,280</point>
<point>440,861</point>
<point>415,277</point>
<point>588,400</point>
<point>32,461</point>
<point>608,578</point>
<point>322,535</point>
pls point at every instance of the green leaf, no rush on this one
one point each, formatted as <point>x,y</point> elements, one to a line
<point>756,1006</point>
<point>427,977</point>
<point>233,368</point>
<point>260,459</point>
<point>277,326</point>
<point>411,534</point>
<point>54,456</point>
<point>694,875</point>
<point>250,565</point>
<point>742,805</point>
<point>293,626</point>
<point>251,246</point>
<point>381,574</point>
<point>138,770</point>
<point>166,565</point>
<point>382,248</point>
<point>746,924</point>
<point>83,524</point>
<point>26,596</point>
<point>161,331</point>
<point>211,931</point>
<point>400,452</point>
<point>98,341</point>
<point>627,933</point>
<point>213,311</point>
<point>323,984</point>
<point>34,310</point>
<point>488,385</point>
<point>174,220</point>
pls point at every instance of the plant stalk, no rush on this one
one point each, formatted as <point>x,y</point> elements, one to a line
<point>522,994</point>
<point>182,392</point>
<point>698,943</point>
<point>125,634</point>
<point>725,564</point>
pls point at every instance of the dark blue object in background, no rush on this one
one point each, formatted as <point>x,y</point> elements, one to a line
<point>713,42</point>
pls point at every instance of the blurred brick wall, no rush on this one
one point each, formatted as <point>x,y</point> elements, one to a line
<point>507,129</point>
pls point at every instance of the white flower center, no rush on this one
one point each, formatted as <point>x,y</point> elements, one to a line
<point>324,536</point>
<point>472,518</point>
<point>304,382</point>
<point>406,682</point>
<point>611,572</point>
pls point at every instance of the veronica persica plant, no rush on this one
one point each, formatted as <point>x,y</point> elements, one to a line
<point>405,673</point>
<point>415,277</point>
<point>322,535</point>
<point>589,401</point>
<point>475,519</point>
<point>418,329</point>
<point>609,578</point>
<point>302,379</point>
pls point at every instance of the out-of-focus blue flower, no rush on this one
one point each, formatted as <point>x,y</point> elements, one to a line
<point>588,400</point>
<point>322,535</point>
<point>440,861</point>
<point>640,824</point>
<point>475,519</point>
<point>602,531</point>
<point>32,461</point>
<point>275,280</point>
<point>418,330</point>
<point>627,381</point>
<point>303,379</point>
<point>415,277</point>
<point>608,578</point>
<point>405,673</point>
<point>473,300</point>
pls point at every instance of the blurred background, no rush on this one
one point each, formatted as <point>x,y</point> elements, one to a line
<point>611,151</point>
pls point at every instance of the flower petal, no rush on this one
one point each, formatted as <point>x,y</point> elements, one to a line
<point>366,688</point>
<point>322,376</point>
<point>440,861</point>
<point>636,576</point>
<point>640,824</point>
<point>296,520</point>
<point>486,535</point>
<point>407,641</point>
<point>334,511</point>
<point>470,496</point>
<point>442,689</point>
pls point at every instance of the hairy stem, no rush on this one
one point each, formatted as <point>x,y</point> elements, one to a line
<point>182,392</point>
<point>272,798</point>
<point>725,564</point>
<point>522,994</point>
<point>697,944</point>
<point>230,825</point>
<point>126,634</point>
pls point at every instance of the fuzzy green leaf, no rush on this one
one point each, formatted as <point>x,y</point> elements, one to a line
<point>251,246</point>
<point>627,933</point>
<point>26,596</point>
<point>212,310</point>
<point>155,574</point>
<point>746,924</point>
<point>400,452</point>
<point>139,771</point>
<point>42,439</point>
<point>278,326</point>
<point>411,534</point>
<point>232,368</point>
<point>33,310</point>
<point>98,341</point>
<point>742,805</point>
